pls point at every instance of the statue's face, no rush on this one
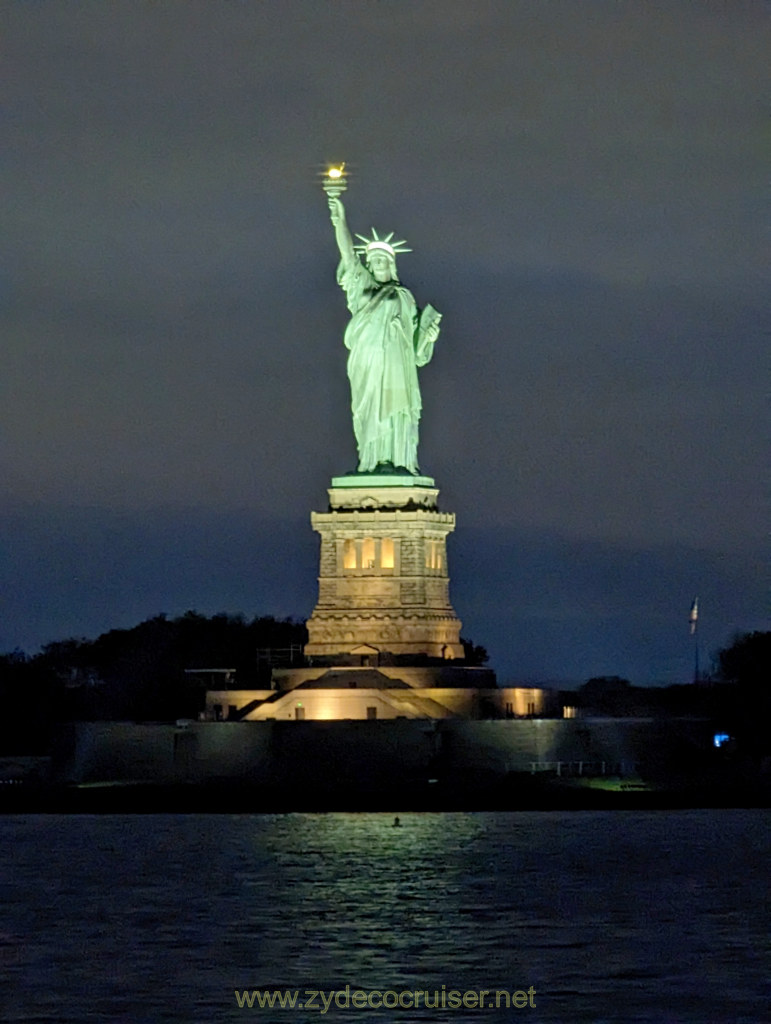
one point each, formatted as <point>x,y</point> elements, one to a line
<point>381,266</point>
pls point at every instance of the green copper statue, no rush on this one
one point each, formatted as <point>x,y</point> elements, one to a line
<point>387,339</point>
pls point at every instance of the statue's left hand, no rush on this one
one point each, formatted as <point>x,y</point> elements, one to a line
<point>432,332</point>
<point>430,319</point>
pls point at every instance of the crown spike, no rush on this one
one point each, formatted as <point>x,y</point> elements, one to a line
<point>376,242</point>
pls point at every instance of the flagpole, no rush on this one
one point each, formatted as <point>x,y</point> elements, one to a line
<point>693,619</point>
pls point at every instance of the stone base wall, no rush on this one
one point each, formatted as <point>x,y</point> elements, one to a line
<point>379,754</point>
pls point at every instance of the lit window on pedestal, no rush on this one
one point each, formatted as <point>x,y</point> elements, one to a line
<point>368,553</point>
<point>386,553</point>
<point>433,554</point>
<point>349,554</point>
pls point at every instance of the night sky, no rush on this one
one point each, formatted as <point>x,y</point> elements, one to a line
<point>583,186</point>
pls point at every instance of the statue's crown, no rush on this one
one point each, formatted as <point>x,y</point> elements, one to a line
<point>384,244</point>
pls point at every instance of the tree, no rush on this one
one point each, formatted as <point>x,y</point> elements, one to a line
<point>30,696</point>
<point>607,695</point>
<point>474,654</point>
<point>746,665</point>
<point>747,662</point>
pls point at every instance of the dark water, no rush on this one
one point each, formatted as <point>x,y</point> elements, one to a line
<point>611,917</point>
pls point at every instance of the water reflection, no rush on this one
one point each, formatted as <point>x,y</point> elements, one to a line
<point>617,917</point>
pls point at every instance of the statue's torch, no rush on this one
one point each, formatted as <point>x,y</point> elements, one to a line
<point>334,182</point>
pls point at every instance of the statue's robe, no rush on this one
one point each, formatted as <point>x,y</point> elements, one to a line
<point>386,344</point>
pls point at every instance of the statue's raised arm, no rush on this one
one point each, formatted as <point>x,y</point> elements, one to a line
<point>387,340</point>
<point>342,234</point>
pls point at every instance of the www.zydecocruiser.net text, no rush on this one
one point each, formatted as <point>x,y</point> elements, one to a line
<point>321,1000</point>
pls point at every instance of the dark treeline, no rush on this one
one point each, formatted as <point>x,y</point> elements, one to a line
<point>614,697</point>
<point>135,674</point>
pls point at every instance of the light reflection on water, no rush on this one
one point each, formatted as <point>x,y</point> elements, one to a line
<point>612,917</point>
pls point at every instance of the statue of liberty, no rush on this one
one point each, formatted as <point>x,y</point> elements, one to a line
<point>387,340</point>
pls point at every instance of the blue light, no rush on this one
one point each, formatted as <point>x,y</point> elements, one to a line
<point>720,738</point>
